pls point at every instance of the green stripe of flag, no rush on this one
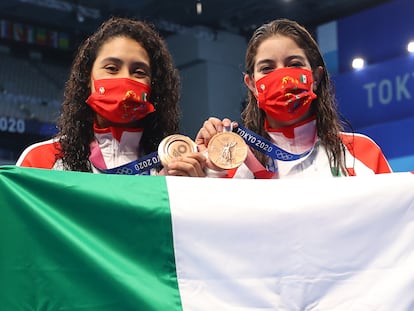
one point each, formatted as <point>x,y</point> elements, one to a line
<point>80,241</point>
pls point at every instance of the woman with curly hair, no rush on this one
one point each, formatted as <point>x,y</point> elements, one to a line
<point>120,101</point>
<point>291,119</point>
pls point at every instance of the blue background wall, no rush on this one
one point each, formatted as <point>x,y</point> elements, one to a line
<point>379,99</point>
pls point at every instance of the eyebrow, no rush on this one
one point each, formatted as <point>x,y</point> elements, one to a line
<point>119,62</point>
<point>302,58</point>
<point>111,59</point>
<point>264,61</point>
<point>289,58</point>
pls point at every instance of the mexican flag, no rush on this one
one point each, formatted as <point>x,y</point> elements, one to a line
<point>90,242</point>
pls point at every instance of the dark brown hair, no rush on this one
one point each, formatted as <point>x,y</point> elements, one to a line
<point>324,107</point>
<point>76,120</point>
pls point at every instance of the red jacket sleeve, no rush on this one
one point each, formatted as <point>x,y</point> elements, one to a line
<point>42,155</point>
<point>367,151</point>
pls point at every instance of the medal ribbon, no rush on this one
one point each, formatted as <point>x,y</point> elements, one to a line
<point>141,166</point>
<point>267,147</point>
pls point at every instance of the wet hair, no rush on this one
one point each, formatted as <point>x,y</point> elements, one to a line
<point>76,121</point>
<point>324,107</point>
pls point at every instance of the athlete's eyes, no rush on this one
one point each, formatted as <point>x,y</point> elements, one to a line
<point>264,69</point>
<point>141,73</point>
<point>111,68</point>
<point>296,64</point>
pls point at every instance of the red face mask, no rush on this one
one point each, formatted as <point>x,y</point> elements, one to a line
<point>285,94</point>
<point>120,100</point>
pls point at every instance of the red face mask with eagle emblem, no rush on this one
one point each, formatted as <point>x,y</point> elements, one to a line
<point>285,94</point>
<point>121,100</point>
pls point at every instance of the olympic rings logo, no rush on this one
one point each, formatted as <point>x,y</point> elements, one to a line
<point>124,171</point>
<point>283,155</point>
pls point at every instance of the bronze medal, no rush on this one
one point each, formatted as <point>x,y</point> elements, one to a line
<point>227,150</point>
<point>175,146</point>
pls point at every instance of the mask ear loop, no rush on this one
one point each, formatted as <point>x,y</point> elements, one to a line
<point>317,77</point>
<point>92,84</point>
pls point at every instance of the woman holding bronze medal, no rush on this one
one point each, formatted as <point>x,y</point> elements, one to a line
<point>291,122</point>
<point>120,102</point>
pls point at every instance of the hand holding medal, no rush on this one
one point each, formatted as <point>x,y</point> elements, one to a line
<point>227,150</point>
<point>180,157</point>
<point>174,146</point>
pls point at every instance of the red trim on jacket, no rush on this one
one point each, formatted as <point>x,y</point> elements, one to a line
<point>367,151</point>
<point>42,156</point>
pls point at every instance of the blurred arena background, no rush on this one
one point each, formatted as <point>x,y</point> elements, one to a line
<point>38,39</point>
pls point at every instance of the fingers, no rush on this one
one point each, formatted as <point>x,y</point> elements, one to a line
<point>191,165</point>
<point>211,127</point>
<point>210,165</point>
<point>234,124</point>
<point>214,125</point>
